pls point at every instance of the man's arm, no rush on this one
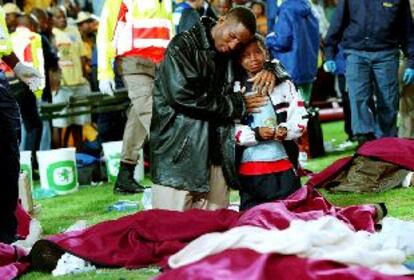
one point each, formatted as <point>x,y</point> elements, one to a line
<point>11,60</point>
<point>282,38</point>
<point>187,92</point>
<point>336,29</point>
<point>106,51</point>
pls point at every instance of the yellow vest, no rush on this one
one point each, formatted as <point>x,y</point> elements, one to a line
<point>27,46</point>
<point>132,28</point>
<point>6,47</point>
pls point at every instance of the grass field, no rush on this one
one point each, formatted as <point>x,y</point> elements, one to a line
<point>91,204</point>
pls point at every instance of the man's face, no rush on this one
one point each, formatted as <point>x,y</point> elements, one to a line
<point>11,21</point>
<point>222,6</point>
<point>230,35</point>
<point>59,20</point>
<point>86,27</point>
<point>44,23</point>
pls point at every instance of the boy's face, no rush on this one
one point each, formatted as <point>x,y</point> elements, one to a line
<point>253,58</point>
<point>230,35</point>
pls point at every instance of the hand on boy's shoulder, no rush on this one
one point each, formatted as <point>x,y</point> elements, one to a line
<point>264,82</point>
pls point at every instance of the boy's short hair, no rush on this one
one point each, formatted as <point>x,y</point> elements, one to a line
<point>244,16</point>
<point>262,43</point>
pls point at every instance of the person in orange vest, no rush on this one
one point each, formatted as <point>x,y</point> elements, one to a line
<point>136,34</point>
<point>27,45</point>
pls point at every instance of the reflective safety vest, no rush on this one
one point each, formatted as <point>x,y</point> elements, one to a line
<point>27,46</point>
<point>5,43</point>
<point>133,28</point>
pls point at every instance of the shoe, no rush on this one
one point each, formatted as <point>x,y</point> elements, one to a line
<point>363,138</point>
<point>125,183</point>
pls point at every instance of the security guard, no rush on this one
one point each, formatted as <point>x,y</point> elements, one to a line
<point>136,33</point>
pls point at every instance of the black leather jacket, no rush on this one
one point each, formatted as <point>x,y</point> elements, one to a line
<point>194,109</point>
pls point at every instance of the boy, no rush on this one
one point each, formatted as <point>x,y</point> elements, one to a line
<point>265,171</point>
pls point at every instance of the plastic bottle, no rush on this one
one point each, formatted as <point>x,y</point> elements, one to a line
<point>303,158</point>
<point>147,199</point>
<point>123,205</point>
<point>237,86</point>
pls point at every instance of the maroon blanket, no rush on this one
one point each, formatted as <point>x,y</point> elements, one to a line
<point>150,237</point>
<point>247,264</point>
<point>393,150</point>
<point>10,264</point>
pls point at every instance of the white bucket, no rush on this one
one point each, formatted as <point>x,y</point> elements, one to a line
<point>58,170</point>
<point>112,154</point>
<point>26,166</point>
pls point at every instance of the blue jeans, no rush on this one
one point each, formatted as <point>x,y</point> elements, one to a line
<point>370,73</point>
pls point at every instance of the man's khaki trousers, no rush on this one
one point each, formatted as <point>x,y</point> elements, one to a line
<point>164,197</point>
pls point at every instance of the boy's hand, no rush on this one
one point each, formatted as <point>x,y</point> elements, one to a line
<point>280,133</point>
<point>266,133</point>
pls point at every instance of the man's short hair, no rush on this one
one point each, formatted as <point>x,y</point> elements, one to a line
<point>244,16</point>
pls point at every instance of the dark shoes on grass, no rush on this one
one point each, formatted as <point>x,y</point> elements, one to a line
<point>125,183</point>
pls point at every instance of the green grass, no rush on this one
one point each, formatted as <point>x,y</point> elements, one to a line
<point>91,204</point>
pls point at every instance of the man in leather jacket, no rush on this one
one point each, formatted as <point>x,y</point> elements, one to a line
<point>194,108</point>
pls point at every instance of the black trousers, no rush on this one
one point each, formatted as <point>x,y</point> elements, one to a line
<point>260,189</point>
<point>31,120</point>
<point>9,161</point>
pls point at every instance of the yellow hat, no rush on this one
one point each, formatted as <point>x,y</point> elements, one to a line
<point>84,16</point>
<point>11,8</point>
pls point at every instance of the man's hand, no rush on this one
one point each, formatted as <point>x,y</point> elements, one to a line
<point>408,76</point>
<point>254,102</point>
<point>107,87</point>
<point>29,76</point>
<point>329,66</point>
<point>264,82</point>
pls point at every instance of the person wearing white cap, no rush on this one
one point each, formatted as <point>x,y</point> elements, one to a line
<point>86,24</point>
<point>12,12</point>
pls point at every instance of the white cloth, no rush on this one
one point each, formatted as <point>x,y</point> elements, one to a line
<point>245,136</point>
<point>325,238</point>
<point>70,264</point>
<point>107,87</point>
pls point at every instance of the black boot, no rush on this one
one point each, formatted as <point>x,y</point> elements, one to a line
<point>363,138</point>
<point>125,183</point>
